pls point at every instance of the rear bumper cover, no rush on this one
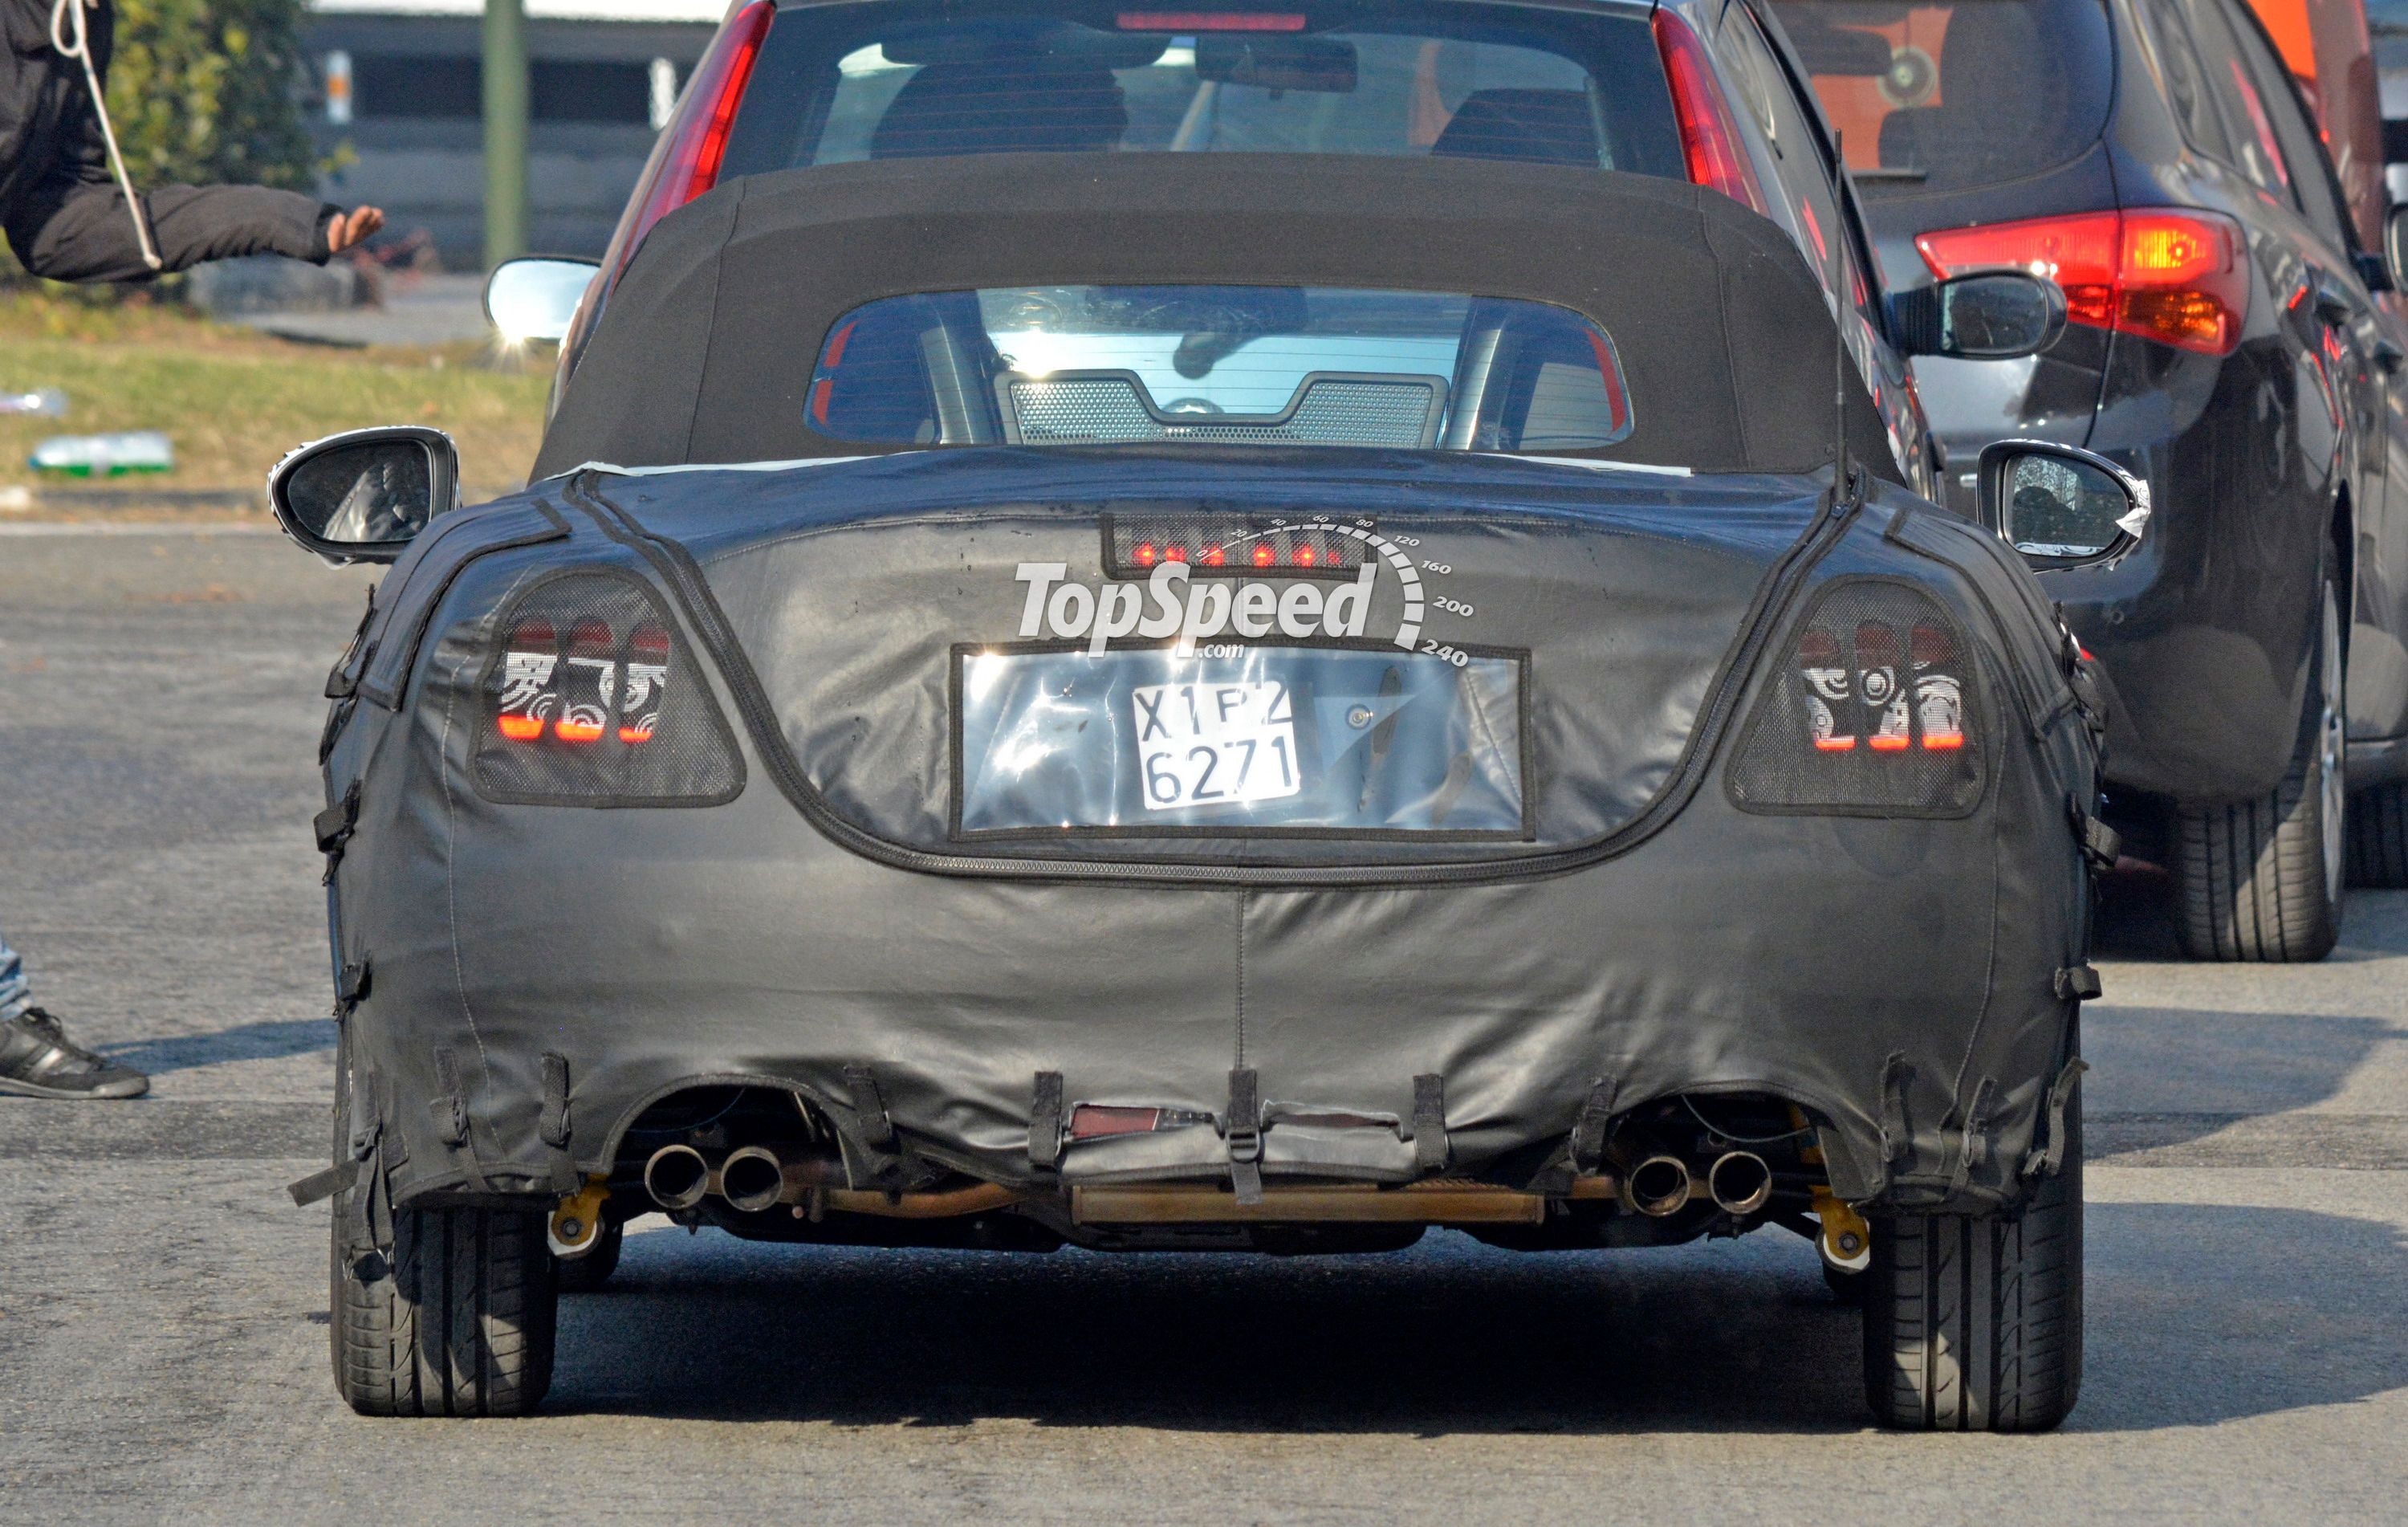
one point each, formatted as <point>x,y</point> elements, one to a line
<point>532,977</point>
<point>751,952</point>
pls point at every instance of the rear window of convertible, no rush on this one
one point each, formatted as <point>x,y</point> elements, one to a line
<point>841,83</point>
<point>1259,365</point>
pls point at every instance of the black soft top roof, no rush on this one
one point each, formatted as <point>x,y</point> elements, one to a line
<point>706,351</point>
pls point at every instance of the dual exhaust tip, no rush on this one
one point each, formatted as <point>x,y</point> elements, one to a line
<point>1738,1182</point>
<point>752,1178</point>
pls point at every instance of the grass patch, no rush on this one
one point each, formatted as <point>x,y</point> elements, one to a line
<point>233,400</point>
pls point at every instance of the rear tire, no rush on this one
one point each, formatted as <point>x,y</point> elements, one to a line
<point>1973,1323</point>
<point>458,1321</point>
<point>2261,880</point>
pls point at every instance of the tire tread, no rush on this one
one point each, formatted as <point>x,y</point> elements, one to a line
<point>1973,1323</point>
<point>460,1320</point>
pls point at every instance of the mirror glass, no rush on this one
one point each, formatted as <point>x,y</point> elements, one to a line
<point>535,299</point>
<point>2057,506</point>
<point>1997,316</point>
<point>368,493</point>
<point>2395,245</point>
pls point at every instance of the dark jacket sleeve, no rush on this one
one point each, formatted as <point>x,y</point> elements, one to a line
<point>76,231</point>
<point>65,217</point>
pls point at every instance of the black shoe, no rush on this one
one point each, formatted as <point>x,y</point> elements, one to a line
<point>36,1061</point>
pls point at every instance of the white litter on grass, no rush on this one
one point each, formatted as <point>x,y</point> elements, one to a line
<point>16,501</point>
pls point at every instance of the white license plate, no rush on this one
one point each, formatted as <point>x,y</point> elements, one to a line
<point>1215,744</point>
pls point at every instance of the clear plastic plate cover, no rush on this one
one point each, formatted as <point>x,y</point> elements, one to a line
<point>1248,740</point>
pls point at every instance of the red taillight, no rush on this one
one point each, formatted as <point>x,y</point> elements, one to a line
<point>1264,555</point>
<point>2177,278</point>
<point>1304,556</point>
<point>1214,557</point>
<point>588,679</point>
<point>1826,690</point>
<point>1709,136</point>
<point>685,163</point>
<point>1877,681</point>
<point>646,683</point>
<point>1144,555</point>
<point>823,390</point>
<point>526,699</point>
<point>1617,407</point>
<point>1939,696</point>
<point>1175,553</point>
<point>1208,21</point>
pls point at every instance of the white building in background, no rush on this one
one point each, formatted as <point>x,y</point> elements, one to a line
<point>399,84</point>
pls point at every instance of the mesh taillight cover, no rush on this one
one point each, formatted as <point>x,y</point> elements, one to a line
<point>1874,708</point>
<point>592,697</point>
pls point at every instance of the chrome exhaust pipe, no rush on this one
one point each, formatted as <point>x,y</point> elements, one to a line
<point>1738,1182</point>
<point>1656,1187</point>
<point>753,1179</point>
<point>677,1177</point>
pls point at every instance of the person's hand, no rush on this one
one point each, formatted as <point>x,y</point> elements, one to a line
<point>349,228</point>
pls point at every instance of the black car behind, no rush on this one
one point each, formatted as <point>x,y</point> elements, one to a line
<point>2227,343</point>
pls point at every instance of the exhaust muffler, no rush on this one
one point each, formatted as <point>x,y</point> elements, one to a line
<point>677,1177</point>
<point>1656,1187</point>
<point>1738,1182</point>
<point>753,1179</point>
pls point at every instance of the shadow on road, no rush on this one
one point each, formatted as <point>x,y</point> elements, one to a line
<point>1449,1338</point>
<point>243,1042</point>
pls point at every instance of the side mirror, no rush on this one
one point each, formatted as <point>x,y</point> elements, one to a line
<point>362,495</point>
<point>535,299</point>
<point>2060,505</point>
<point>1998,315</point>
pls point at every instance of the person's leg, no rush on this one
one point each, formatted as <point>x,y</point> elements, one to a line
<point>37,1060</point>
<point>15,994</point>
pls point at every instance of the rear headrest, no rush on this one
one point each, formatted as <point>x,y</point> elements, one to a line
<point>1991,95</point>
<point>1527,126</point>
<point>1986,62</point>
<point>1002,106</point>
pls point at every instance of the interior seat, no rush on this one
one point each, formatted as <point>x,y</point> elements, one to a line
<point>1526,127</point>
<point>1992,100</point>
<point>1006,104</point>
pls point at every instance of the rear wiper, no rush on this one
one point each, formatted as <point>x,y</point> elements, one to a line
<point>1890,172</point>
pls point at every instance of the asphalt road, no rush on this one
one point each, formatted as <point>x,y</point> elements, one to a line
<point>163,1305</point>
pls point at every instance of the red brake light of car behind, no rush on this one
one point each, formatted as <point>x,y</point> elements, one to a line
<point>686,162</point>
<point>2177,278</point>
<point>1709,136</point>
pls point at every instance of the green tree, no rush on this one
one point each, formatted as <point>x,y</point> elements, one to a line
<point>204,90</point>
